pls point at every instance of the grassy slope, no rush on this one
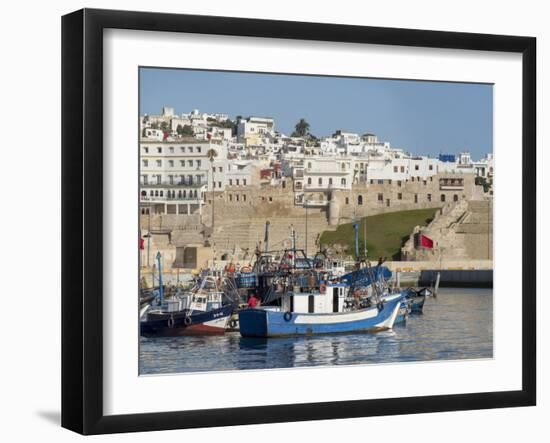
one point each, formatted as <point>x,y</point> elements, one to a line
<point>386,233</point>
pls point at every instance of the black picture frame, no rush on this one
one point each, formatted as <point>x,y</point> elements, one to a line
<point>82,218</point>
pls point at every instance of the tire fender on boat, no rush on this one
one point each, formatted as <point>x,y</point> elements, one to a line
<point>187,321</point>
<point>287,316</point>
<point>171,322</point>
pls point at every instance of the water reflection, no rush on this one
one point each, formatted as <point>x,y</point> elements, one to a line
<point>456,325</point>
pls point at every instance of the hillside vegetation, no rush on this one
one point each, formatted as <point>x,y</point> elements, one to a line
<point>386,233</point>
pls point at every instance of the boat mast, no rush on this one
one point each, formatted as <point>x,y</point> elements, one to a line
<point>266,237</point>
<point>161,288</point>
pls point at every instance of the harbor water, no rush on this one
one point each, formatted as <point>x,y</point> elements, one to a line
<point>458,324</point>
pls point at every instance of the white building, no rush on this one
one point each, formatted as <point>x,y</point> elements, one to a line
<point>175,174</point>
<point>254,128</point>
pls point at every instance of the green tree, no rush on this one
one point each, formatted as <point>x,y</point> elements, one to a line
<point>301,129</point>
<point>185,130</point>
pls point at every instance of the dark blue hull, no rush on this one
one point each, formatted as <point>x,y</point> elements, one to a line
<point>164,324</point>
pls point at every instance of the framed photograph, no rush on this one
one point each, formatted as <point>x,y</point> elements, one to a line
<point>269,221</point>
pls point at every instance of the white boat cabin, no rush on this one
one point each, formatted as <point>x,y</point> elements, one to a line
<point>328,300</point>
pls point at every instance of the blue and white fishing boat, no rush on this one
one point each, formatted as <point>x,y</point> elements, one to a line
<point>329,310</point>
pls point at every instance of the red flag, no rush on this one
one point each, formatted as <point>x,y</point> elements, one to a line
<point>165,136</point>
<point>426,242</point>
<point>141,243</point>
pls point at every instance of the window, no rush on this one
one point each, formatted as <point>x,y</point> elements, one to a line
<point>159,179</point>
<point>412,179</point>
<point>455,198</point>
<point>380,197</point>
<point>190,163</point>
<point>343,166</point>
<point>171,179</point>
<point>220,169</point>
<point>199,149</point>
<point>416,167</point>
<point>372,182</point>
<point>431,167</point>
<point>429,196</point>
<point>159,163</point>
<point>145,163</point>
<point>145,179</point>
<point>442,197</point>
<point>151,193</point>
<point>237,182</point>
<point>400,196</point>
<point>191,149</point>
<point>237,197</point>
<point>330,181</point>
<point>171,149</point>
<point>380,182</point>
<point>171,163</point>
<point>146,150</point>
<point>402,168</point>
<point>343,182</point>
<point>320,181</point>
<point>230,182</point>
<point>244,182</point>
<point>182,163</point>
<point>416,198</point>
<point>395,169</point>
<point>309,165</point>
<point>198,163</point>
<point>244,197</point>
<point>182,149</point>
<point>230,197</point>
<point>360,200</point>
<point>347,200</point>
<point>162,193</point>
<point>159,150</point>
<point>219,184</point>
<point>398,182</point>
<point>309,180</point>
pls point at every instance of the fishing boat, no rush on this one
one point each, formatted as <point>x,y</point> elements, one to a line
<point>320,308</point>
<point>205,309</point>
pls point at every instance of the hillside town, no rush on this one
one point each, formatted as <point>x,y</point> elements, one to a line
<point>209,183</point>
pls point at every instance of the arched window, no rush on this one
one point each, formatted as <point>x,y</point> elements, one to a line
<point>455,198</point>
<point>343,166</point>
<point>330,181</point>
<point>320,181</point>
<point>144,193</point>
<point>360,200</point>
<point>309,180</point>
<point>156,193</point>
<point>184,193</point>
<point>442,197</point>
<point>161,193</point>
<point>343,182</point>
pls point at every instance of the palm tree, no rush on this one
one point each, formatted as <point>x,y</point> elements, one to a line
<point>301,129</point>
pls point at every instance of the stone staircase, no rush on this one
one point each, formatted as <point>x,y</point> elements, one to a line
<point>460,231</point>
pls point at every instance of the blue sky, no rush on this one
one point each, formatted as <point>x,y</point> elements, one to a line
<point>418,116</point>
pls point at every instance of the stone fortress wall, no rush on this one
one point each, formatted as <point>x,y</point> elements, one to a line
<point>241,213</point>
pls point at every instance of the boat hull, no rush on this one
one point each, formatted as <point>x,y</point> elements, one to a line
<point>184,323</point>
<point>269,323</point>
